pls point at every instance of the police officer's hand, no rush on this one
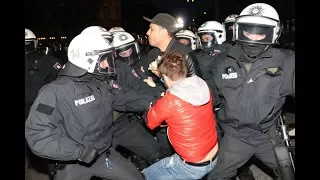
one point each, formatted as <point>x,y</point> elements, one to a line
<point>88,154</point>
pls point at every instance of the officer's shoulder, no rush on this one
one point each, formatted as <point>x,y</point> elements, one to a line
<point>283,53</point>
<point>221,59</point>
<point>56,86</point>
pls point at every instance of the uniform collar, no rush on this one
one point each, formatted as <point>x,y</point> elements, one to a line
<point>236,52</point>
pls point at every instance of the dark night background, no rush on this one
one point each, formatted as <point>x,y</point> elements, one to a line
<point>69,17</point>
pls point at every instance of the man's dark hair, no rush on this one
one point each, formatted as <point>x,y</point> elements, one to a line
<point>173,65</point>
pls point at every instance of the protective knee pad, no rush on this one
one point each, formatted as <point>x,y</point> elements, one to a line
<point>155,157</point>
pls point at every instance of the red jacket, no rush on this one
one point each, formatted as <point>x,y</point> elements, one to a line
<point>187,109</point>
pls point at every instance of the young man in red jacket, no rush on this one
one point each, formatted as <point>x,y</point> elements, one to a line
<point>187,109</point>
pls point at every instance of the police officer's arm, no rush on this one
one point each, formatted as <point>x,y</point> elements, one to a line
<point>43,129</point>
<point>54,66</point>
<point>158,112</point>
<point>132,101</point>
<point>137,84</point>
<point>288,83</point>
<point>217,96</point>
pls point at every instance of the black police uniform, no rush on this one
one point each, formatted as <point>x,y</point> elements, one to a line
<point>129,133</point>
<point>71,120</point>
<point>206,61</point>
<point>252,101</point>
<point>39,70</point>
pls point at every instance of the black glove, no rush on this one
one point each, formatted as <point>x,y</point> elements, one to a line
<point>87,154</point>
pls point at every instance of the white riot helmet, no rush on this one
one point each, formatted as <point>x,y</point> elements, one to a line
<point>116,29</point>
<point>87,52</point>
<point>189,36</point>
<point>100,30</point>
<point>211,33</point>
<point>31,41</point>
<point>228,22</point>
<point>230,18</point>
<point>258,19</point>
<point>228,26</point>
<point>126,47</point>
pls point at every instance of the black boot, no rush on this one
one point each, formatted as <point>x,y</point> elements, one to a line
<point>138,161</point>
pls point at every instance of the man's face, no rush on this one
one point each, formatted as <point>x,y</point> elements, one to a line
<point>126,53</point>
<point>254,37</point>
<point>184,41</point>
<point>104,64</point>
<point>155,34</point>
<point>206,38</point>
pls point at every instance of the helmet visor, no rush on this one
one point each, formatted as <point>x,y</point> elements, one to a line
<point>207,39</point>
<point>184,40</point>
<point>129,53</point>
<point>105,64</point>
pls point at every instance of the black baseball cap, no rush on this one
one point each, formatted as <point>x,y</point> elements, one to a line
<point>165,20</point>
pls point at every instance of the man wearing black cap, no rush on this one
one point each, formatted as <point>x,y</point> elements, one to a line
<point>161,36</point>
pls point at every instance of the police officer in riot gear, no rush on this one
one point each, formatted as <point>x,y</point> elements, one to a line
<point>128,51</point>
<point>71,120</point>
<point>187,38</point>
<point>228,26</point>
<point>39,69</point>
<point>130,133</point>
<point>213,40</point>
<point>211,36</point>
<point>253,80</point>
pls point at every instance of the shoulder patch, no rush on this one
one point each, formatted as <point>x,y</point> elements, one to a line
<point>57,66</point>
<point>46,109</point>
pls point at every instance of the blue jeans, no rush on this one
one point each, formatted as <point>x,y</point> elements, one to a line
<point>174,167</point>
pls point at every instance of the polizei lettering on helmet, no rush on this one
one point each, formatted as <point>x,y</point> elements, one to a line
<point>84,100</point>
